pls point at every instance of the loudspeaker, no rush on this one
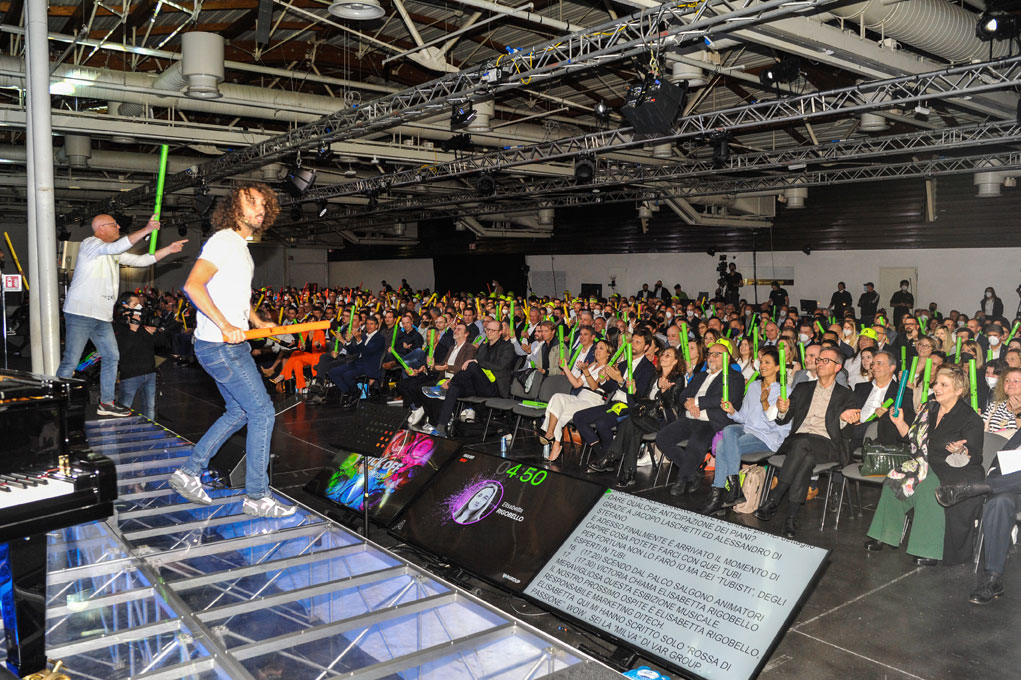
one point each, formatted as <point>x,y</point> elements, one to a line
<point>228,466</point>
<point>652,106</point>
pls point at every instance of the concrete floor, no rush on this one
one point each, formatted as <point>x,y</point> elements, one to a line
<point>872,615</point>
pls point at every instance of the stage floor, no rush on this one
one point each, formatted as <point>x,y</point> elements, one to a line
<point>872,615</point>
<point>169,589</point>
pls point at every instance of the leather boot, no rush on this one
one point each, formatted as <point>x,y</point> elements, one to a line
<point>951,494</point>
<point>770,507</point>
<point>714,504</point>
<point>733,495</point>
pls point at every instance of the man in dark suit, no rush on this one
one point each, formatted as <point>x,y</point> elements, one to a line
<point>366,349</point>
<point>703,418</point>
<point>869,398</point>
<point>487,375</point>
<point>816,411</point>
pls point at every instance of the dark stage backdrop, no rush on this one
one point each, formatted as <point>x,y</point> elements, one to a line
<point>472,272</point>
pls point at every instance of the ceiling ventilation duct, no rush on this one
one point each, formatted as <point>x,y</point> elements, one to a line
<point>202,64</point>
<point>77,150</point>
<point>686,71</point>
<point>545,217</point>
<point>483,116</point>
<point>795,197</point>
<point>871,122</point>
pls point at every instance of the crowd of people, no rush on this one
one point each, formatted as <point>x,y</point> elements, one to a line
<point>711,379</point>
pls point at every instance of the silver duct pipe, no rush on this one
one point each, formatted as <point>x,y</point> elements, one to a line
<point>171,80</point>
<point>42,225</point>
<point>199,72</point>
<point>935,26</point>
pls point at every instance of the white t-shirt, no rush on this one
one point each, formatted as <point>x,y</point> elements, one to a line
<point>97,277</point>
<point>231,285</point>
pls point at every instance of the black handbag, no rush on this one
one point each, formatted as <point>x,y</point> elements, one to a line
<point>879,459</point>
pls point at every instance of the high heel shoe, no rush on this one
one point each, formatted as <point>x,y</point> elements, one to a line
<point>554,454</point>
<point>544,440</point>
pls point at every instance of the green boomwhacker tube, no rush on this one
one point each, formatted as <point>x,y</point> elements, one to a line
<point>164,150</point>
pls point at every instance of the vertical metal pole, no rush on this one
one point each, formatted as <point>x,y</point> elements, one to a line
<point>37,78</point>
<point>34,321</point>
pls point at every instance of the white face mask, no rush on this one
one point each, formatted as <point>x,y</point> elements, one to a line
<point>993,341</point>
<point>989,293</point>
<point>991,381</point>
<point>904,288</point>
<point>137,307</point>
<point>848,332</point>
<point>689,313</point>
<point>803,338</point>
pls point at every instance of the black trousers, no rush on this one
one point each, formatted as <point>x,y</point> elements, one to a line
<point>595,426</point>
<point>410,388</point>
<point>629,440</point>
<point>468,382</point>
<point>699,434</point>
<point>998,519</point>
<point>802,453</point>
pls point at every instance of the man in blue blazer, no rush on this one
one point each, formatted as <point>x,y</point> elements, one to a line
<point>367,350</point>
<point>703,417</point>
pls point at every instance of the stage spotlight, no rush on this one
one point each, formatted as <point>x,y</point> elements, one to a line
<point>461,115</point>
<point>486,185</point>
<point>711,252</point>
<point>296,213</point>
<point>299,179</point>
<point>997,27</point>
<point>807,250</point>
<point>203,200</point>
<point>324,153</point>
<point>602,112</point>
<point>461,142</point>
<point>784,71</point>
<point>321,207</point>
<point>721,149</point>
<point>584,170</point>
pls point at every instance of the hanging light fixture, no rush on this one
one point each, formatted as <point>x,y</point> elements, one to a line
<point>357,10</point>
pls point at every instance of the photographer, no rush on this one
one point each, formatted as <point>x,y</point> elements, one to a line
<point>137,331</point>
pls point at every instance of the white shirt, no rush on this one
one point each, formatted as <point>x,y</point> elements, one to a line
<point>874,401</point>
<point>97,277</point>
<point>703,415</point>
<point>231,286</point>
<point>452,358</point>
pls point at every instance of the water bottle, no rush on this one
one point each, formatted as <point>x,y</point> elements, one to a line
<point>505,443</point>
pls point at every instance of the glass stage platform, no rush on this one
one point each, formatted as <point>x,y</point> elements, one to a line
<point>168,589</point>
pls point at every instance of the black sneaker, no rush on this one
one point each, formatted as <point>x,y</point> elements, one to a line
<point>115,410</point>
<point>988,590</point>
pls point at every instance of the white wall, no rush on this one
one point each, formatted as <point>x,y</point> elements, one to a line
<point>954,278</point>
<point>418,272</point>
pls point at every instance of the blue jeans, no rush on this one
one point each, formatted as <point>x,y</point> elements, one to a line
<point>81,329</point>
<point>239,381</point>
<point>734,444</point>
<point>140,384</point>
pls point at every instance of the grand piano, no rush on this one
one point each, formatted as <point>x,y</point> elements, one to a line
<point>49,480</point>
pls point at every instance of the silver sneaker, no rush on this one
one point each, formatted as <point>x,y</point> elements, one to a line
<point>267,507</point>
<point>190,487</point>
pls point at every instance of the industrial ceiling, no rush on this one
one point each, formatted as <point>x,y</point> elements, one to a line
<point>780,96</point>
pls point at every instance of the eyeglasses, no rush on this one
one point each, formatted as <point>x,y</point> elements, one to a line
<point>492,330</point>
<point>824,360</point>
<point>107,224</point>
<point>716,354</point>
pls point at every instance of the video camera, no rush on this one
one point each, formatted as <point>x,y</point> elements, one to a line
<point>148,315</point>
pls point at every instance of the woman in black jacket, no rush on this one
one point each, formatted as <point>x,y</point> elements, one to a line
<point>946,445</point>
<point>991,305</point>
<point>647,415</point>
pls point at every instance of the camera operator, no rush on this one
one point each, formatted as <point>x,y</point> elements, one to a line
<point>138,332</point>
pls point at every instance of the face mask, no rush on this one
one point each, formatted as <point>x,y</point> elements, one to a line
<point>137,307</point>
<point>993,341</point>
<point>960,324</point>
<point>991,381</point>
<point>989,293</point>
<point>847,332</point>
<point>803,338</point>
<point>689,313</point>
<point>865,288</point>
<point>904,288</point>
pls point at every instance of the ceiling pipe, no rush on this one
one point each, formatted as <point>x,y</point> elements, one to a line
<point>473,225</point>
<point>537,19</point>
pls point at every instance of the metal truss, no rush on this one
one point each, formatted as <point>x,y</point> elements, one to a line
<point>876,95</point>
<point>693,186</point>
<point>664,26</point>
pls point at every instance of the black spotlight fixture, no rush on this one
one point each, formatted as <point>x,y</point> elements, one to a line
<point>203,200</point>
<point>296,213</point>
<point>461,142</point>
<point>182,229</point>
<point>299,179</point>
<point>711,252</point>
<point>321,207</point>
<point>784,71</point>
<point>584,169</point>
<point>997,27</point>
<point>324,153</point>
<point>486,185</point>
<point>807,250</point>
<point>461,115</point>
<point>602,112</point>
<point>721,149</point>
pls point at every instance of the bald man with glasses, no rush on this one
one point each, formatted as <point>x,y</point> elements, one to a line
<point>487,375</point>
<point>88,307</point>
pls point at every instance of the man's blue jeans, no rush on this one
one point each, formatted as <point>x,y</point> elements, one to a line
<point>735,443</point>
<point>144,385</point>
<point>239,381</point>
<point>81,329</point>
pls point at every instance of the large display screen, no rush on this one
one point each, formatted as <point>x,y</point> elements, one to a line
<point>409,461</point>
<point>696,593</point>
<point>498,518</point>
